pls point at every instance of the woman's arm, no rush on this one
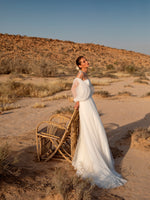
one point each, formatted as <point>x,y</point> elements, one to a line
<point>79,75</point>
<point>76,106</point>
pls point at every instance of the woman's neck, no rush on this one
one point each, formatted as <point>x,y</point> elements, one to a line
<point>84,71</point>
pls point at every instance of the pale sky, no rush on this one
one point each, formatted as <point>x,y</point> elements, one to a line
<point>123,24</point>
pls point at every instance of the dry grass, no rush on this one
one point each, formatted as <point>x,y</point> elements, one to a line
<point>12,90</point>
<point>4,154</point>
<point>139,80</point>
<point>110,67</point>
<point>74,187</point>
<point>69,110</point>
<point>100,82</point>
<point>131,86</point>
<point>125,93</point>
<point>140,138</point>
<point>110,75</point>
<point>65,186</point>
<point>39,105</point>
<point>6,107</point>
<point>62,183</point>
<point>49,58</point>
<point>104,94</point>
<point>6,163</point>
<point>57,97</point>
<point>131,69</point>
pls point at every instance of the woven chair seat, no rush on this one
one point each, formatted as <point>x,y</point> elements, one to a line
<point>57,138</point>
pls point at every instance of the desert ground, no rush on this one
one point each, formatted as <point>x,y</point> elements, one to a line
<point>124,107</point>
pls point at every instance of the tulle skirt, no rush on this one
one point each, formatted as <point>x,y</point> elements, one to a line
<point>93,159</point>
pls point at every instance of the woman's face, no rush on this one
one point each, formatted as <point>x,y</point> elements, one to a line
<point>83,63</point>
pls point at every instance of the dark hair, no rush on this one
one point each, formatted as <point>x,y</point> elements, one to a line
<point>78,60</point>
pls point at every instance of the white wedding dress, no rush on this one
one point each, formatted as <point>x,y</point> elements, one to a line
<point>92,157</point>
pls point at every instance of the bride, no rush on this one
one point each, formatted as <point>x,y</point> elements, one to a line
<point>92,159</point>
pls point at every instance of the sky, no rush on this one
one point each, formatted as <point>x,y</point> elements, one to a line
<point>122,24</point>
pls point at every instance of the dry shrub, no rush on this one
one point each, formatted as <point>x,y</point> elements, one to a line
<point>125,93</point>
<point>140,138</point>
<point>11,90</point>
<point>68,110</point>
<point>95,72</point>
<point>110,67</point>
<point>57,97</point>
<point>74,187</point>
<point>8,170</point>
<point>39,105</point>
<point>141,73</point>
<point>128,86</point>
<point>4,154</point>
<point>44,67</point>
<point>127,67</point>
<point>142,133</point>
<point>102,82</point>
<point>139,80</point>
<point>103,94</point>
<point>7,163</point>
<point>48,57</point>
<point>110,75</point>
<point>65,186</point>
<point>130,69</point>
<point>83,188</point>
<point>5,107</point>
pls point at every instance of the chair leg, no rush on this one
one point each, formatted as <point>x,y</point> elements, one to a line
<point>73,138</point>
<point>37,148</point>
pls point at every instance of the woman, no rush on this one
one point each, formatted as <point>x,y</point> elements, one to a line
<point>92,157</point>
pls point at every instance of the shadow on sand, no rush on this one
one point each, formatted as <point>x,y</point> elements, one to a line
<point>37,176</point>
<point>120,137</point>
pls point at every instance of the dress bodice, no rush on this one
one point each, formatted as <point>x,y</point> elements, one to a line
<point>82,89</point>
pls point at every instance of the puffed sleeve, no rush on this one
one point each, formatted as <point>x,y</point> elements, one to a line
<point>91,88</point>
<point>80,90</point>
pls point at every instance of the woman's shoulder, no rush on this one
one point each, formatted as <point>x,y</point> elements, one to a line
<point>80,75</point>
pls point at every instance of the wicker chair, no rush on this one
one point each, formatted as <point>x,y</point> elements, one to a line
<point>57,138</point>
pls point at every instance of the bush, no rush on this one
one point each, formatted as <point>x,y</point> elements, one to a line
<point>109,67</point>
<point>104,94</point>
<point>130,69</point>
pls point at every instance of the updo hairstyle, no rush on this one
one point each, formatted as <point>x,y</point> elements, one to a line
<point>78,61</point>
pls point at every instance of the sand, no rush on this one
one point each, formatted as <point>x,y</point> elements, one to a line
<point>119,114</point>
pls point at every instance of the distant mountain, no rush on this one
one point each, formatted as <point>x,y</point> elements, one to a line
<point>50,57</point>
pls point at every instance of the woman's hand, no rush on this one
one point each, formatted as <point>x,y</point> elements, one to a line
<point>76,105</point>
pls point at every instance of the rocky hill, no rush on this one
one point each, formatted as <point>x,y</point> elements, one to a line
<point>49,57</point>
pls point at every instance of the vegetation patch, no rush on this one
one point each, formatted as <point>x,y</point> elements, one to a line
<point>140,138</point>
<point>12,90</point>
<point>39,105</point>
<point>139,80</point>
<point>125,93</point>
<point>103,94</point>
<point>5,107</point>
<point>74,187</point>
<point>65,110</point>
